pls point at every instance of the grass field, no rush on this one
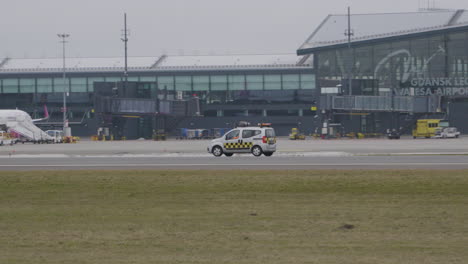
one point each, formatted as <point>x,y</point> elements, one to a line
<point>234,217</point>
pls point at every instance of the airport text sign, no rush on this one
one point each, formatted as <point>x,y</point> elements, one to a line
<point>436,86</point>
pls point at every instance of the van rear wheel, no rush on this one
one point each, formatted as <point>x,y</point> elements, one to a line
<point>257,151</point>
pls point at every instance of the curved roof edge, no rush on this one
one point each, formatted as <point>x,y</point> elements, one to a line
<point>383,38</point>
<point>381,27</point>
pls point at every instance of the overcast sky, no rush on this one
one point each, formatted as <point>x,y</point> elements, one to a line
<point>176,27</point>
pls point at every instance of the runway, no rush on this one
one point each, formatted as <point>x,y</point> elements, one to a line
<point>236,162</point>
<point>188,155</point>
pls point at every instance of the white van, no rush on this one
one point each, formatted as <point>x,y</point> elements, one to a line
<point>57,135</point>
<point>250,139</point>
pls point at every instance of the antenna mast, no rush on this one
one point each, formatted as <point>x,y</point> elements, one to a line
<point>125,40</point>
<point>349,33</point>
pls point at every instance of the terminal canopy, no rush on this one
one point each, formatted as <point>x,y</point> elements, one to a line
<point>375,27</point>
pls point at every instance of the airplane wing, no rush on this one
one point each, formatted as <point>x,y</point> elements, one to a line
<point>46,115</point>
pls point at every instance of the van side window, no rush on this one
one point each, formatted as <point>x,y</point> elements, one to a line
<point>270,133</point>
<point>248,133</point>
<point>232,135</point>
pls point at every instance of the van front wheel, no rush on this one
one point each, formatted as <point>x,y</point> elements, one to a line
<point>217,151</point>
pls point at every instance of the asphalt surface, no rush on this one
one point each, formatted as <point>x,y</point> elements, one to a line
<point>238,162</point>
<point>188,155</point>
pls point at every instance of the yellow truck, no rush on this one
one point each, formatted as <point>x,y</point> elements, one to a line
<point>427,127</point>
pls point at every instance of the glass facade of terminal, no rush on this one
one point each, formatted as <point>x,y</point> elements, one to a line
<point>210,88</point>
<point>426,65</point>
<point>31,91</point>
<point>431,64</point>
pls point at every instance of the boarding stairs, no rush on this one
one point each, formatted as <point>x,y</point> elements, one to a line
<point>29,131</point>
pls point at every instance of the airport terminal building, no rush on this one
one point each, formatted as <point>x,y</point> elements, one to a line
<point>400,67</point>
<point>256,88</point>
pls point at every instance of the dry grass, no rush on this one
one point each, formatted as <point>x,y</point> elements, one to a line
<point>234,217</point>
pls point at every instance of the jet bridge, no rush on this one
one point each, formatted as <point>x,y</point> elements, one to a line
<point>406,104</point>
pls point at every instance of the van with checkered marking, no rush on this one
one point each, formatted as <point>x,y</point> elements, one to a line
<point>249,139</point>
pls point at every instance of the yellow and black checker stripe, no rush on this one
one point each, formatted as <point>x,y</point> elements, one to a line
<point>237,145</point>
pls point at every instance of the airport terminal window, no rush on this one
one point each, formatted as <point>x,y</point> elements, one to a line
<point>10,85</point>
<point>363,63</point>
<point>91,82</point>
<point>383,73</point>
<point>114,79</point>
<point>254,82</point>
<point>133,79</point>
<point>307,81</point>
<point>291,81</point>
<point>27,85</point>
<point>217,97</point>
<point>58,85</point>
<point>327,64</point>
<point>219,83</point>
<point>201,83</point>
<point>148,79</point>
<point>183,83</point>
<point>166,83</point>
<point>399,63</point>
<point>437,65</point>
<point>419,52</point>
<point>344,61</point>
<point>272,82</point>
<point>457,55</point>
<point>44,85</point>
<point>78,85</point>
<point>236,82</point>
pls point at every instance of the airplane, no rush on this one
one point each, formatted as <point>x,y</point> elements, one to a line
<point>20,123</point>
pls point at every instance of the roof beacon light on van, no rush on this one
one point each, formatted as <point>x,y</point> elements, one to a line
<point>243,124</point>
<point>264,124</point>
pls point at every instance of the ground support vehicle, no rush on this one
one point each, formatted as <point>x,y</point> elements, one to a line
<point>296,135</point>
<point>6,139</point>
<point>447,132</point>
<point>257,140</point>
<point>56,135</point>
<point>393,134</point>
<point>426,127</point>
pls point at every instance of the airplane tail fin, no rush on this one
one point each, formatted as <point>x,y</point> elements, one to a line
<point>46,113</point>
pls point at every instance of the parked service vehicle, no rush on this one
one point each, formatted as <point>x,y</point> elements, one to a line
<point>447,132</point>
<point>426,127</point>
<point>56,135</point>
<point>6,139</point>
<point>257,140</point>
<point>296,134</point>
<point>393,134</point>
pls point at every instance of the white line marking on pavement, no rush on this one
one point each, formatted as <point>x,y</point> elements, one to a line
<point>237,164</point>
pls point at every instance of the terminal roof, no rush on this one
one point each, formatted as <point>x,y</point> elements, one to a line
<point>366,27</point>
<point>161,63</point>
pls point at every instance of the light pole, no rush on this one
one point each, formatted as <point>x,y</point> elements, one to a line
<point>66,131</point>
